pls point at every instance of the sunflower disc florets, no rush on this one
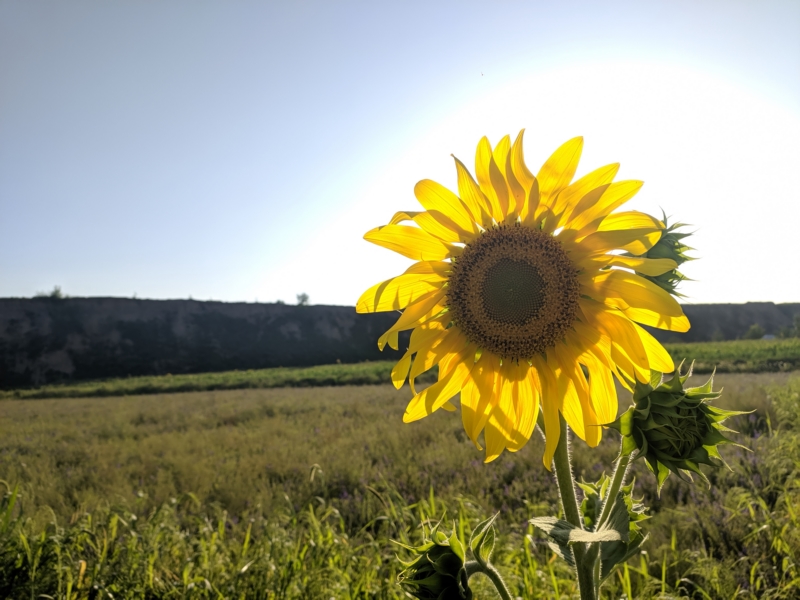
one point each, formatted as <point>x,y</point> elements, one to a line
<point>674,428</point>
<point>438,572</point>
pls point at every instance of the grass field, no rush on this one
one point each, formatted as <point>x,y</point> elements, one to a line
<point>296,492</point>
<point>741,356</point>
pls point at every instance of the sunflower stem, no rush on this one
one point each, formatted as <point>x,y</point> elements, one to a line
<point>492,573</point>
<point>569,502</point>
<point>617,480</point>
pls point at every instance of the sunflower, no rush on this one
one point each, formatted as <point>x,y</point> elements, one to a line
<point>527,291</point>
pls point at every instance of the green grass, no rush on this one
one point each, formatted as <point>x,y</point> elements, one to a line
<point>741,356</point>
<point>367,373</point>
<point>295,493</point>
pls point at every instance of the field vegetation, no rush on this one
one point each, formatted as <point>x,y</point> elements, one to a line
<point>297,492</point>
<point>740,356</point>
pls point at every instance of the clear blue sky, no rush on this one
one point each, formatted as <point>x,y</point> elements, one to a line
<point>239,150</point>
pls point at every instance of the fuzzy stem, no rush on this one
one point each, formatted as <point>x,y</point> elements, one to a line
<point>616,483</point>
<point>569,502</point>
<point>492,573</point>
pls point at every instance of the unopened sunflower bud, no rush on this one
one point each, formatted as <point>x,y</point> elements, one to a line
<point>670,246</point>
<point>438,572</point>
<point>673,428</point>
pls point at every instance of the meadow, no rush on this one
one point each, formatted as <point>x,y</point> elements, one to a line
<point>738,356</point>
<point>297,492</point>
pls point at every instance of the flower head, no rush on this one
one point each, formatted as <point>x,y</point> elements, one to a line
<point>522,293</point>
<point>675,429</point>
<point>438,572</point>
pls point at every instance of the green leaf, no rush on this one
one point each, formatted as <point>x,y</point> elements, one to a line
<point>478,539</point>
<point>456,545</point>
<point>566,533</point>
<point>563,551</point>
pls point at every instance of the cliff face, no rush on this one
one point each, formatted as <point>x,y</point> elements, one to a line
<point>45,340</point>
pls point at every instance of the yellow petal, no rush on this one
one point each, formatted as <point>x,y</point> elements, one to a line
<point>432,398</point>
<point>615,195</point>
<point>435,197</point>
<point>409,241</point>
<point>525,395</point>
<point>398,292</point>
<point>635,241</point>
<point>632,219</point>
<point>519,195</point>
<point>423,310</point>
<point>640,299</point>
<point>623,335</point>
<point>485,394</point>
<point>518,166</point>
<point>602,392</point>
<point>488,175</point>
<point>501,182</point>
<point>470,192</point>
<point>559,169</point>
<point>646,266</point>
<point>499,430</point>
<point>400,371</point>
<point>578,195</point>
<point>483,158</point>
<point>470,405</point>
<point>574,390</point>
<point>659,358</point>
<point>551,405</point>
<point>429,266</point>
<point>432,354</point>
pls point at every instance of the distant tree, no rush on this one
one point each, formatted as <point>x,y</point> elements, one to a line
<point>797,325</point>
<point>756,332</point>
<point>279,302</point>
<point>717,336</point>
<point>302,299</point>
<point>56,294</point>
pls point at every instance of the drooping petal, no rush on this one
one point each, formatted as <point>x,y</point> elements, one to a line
<point>525,395</point>
<point>657,355</point>
<point>499,431</point>
<point>551,405</point>
<point>423,310</point>
<point>640,299</point>
<point>450,341</point>
<point>435,396</point>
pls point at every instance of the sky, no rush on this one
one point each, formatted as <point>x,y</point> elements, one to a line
<point>238,151</point>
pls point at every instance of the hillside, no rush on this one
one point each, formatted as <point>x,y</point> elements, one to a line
<point>50,340</point>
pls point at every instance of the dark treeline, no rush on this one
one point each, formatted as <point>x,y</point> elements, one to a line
<point>53,339</point>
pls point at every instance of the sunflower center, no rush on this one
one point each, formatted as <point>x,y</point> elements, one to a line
<point>514,291</point>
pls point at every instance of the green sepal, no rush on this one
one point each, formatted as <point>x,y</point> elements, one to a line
<point>481,541</point>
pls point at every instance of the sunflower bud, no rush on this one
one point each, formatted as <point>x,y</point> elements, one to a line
<point>674,428</point>
<point>670,246</point>
<point>438,571</point>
